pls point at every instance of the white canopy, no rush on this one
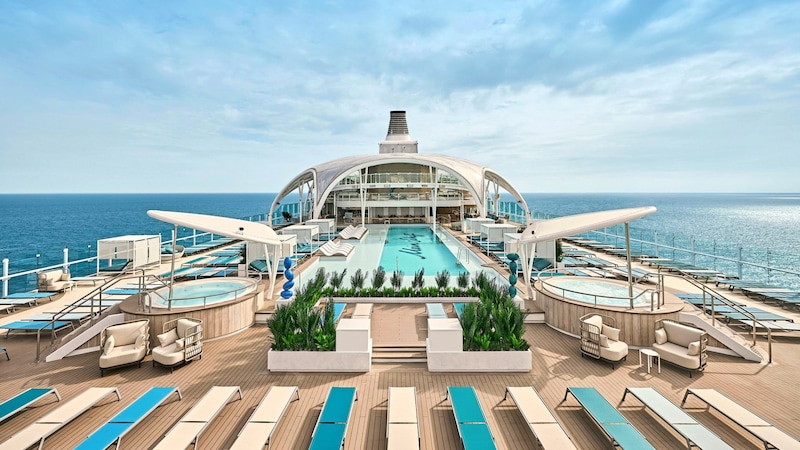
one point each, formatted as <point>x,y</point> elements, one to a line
<point>551,229</point>
<point>228,227</point>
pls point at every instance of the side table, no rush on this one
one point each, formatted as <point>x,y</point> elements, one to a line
<point>649,354</point>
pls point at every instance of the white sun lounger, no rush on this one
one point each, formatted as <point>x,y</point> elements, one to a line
<point>352,232</point>
<point>257,432</point>
<point>771,436</point>
<point>362,311</point>
<point>19,301</point>
<point>402,424</point>
<point>187,431</point>
<point>331,248</point>
<point>40,430</point>
<point>694,432</point>
<point>539,418</point>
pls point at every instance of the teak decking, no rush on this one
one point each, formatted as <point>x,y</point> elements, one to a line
<point>768,390</point>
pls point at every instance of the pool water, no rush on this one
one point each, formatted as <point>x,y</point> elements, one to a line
<point>414,248</point>
<point>607,294</point>
<point>195,293</point>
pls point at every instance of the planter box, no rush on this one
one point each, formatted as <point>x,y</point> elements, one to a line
<point>480,361</point>
<point>405,299</point>
<point>288,361</point>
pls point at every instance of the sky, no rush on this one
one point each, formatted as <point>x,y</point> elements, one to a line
<point>571,96</point>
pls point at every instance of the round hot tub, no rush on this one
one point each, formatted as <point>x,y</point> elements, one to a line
<point>203,292</point>
<point>596,292</point>
<point>565,299</point>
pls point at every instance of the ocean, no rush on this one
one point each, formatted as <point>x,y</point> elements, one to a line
<point>763,225</point>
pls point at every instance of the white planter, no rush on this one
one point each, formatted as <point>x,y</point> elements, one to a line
<point>288,361</point>
<point>480,361</point>
<point>404,300</point>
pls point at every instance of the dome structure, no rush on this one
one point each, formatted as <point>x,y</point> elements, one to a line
<point>398,184</point>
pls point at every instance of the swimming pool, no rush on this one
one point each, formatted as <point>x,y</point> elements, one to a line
<point>410,248</point>
<point>201,292</point>
<point>594,291</point>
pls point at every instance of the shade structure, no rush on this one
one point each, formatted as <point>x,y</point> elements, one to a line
<point>228,227</point>
<point>551,229</point>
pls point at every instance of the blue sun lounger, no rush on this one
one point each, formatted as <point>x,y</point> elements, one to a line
<point>35,326</point>
<point>30,295</point>
<point>613,424</point>
<point>118,426</point>
<point>694,432</point>
<point>24,399</point>
<point>331,428</point>
<point>470,420</point>
<point>435,311</point>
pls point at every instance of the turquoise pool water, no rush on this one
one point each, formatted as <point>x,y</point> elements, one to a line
<point>413,248</point>
<point>589,291</point>
<point>199,292</point>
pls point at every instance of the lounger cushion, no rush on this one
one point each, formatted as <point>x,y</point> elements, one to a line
<point>179,344</point>
<point>611,332</point>
<point>108,347</point>
<point>126,334</point>
<point>122,354</point>
<point>64,277</point>
<point>168,355</point>
<point>183,325</point>
<point>603,340</point>
<point>596,321</point>
<point>681,334</point>
<point>139,341</point>
<point>677,354</point>
<point>661,336</point>
<point>167,338</point>
<point>694,348</point>
<point>615,351</point>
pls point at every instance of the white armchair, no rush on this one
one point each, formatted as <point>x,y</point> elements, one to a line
<point>600,339</point>
<point>180,343</point>
<point>124,344</point>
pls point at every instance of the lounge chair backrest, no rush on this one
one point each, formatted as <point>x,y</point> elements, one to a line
<point>470,419</point>
<point>259,427</point>
<point>187,431</point>
<point>680,334</point>
<point>21,401</point>
<point>613,424</point>
<point>127,332</point>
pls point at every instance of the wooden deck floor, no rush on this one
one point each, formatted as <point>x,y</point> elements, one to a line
<point>768,390</point>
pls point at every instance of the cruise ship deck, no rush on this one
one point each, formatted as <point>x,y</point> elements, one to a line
<point>765,389</point>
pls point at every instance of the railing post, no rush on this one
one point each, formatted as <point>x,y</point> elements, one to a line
<point>5,277</point>
<point>768,269</point>
<point>655,241</point>
<point>66,259</point>
<point>739,263</point>
<point>694,254</point>
<point>673,246</point>
<point>715,254</point>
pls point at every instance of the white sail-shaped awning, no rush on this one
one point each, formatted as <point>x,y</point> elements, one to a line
<point>551,229</point>
<point>228,227</point>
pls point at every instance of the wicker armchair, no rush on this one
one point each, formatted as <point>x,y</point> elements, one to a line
<point>600,339</point>
<point>181,342</point>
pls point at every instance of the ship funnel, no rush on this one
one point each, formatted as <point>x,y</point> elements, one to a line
<point>397,138</point>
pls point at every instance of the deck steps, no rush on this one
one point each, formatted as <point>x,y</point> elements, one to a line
<point>390,354</point>
<point>534,317</point>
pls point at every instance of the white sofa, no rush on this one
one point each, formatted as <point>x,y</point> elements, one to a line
<point>681,344</point>
<point>600,339</point>
<point>181,342</point>
<point>124,344</point>
<point>54,281</point>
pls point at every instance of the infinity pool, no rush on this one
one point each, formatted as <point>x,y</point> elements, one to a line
<point>414,248</point>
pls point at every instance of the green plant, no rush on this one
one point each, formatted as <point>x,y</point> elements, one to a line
<point>287,216</point>
<point>442,279</point>
<point>419,279</point>
<point>396,280</point>
<point>378,278</point>
<point>462,280</point>
<point>494,322</point>
<point>559,251</point>
<point>337,279</point>
<point>357,280</point>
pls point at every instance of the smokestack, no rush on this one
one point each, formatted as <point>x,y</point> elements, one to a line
<point>397,138</point>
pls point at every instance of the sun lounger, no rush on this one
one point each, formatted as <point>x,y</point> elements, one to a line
<point>352,232</point>
<point>24,399</point>
<point>613,424</point>
<point>19,301</point>
<point>30,295</point>
<point>4,350</point>
<point>331,428</point>
<point>31,326</point>
<point>331,248</point>
<point>470,420</point>
<point>435,311</point>
<point>540,419</point>
<point>8,308</point>
<point>771,436</point>
<point>362,311</point>
<point>93,280</point>
<point>40,430</point>
<point>118,426</point>
<point>402,423</point>
<point>79,317</point>
<point>258,430</point>
<point>187,431</point>
<point>694,432</point>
